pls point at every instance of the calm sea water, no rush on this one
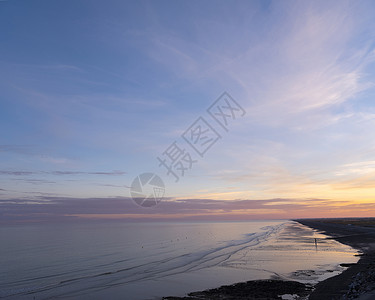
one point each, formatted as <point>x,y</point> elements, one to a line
<point>149,260</point>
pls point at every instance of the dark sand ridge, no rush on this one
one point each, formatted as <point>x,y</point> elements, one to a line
<point>357,280</point>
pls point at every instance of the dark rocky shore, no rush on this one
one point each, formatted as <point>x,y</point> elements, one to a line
<point>355,282</point>
<point>256,289</point>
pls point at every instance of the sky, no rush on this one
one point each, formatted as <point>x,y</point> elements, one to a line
<point>95,93</point>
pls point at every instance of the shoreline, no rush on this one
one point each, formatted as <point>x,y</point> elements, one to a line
<point>356,282</point>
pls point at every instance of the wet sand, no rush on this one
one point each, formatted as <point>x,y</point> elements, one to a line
<point>359,279</point>
<point>356,282</point>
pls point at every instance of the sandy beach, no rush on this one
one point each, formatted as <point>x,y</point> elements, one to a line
<point>356,282</point>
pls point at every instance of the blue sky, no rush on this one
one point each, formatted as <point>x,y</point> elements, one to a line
<point>92,92</point>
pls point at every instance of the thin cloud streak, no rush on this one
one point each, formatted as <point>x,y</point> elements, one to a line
<point>21,173</point>
<point>49,209</point>
<point>302,70</point>
<point>19,149</point>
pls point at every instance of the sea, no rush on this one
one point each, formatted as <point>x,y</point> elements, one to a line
<point>143,261</point>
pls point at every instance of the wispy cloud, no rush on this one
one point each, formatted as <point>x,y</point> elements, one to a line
<point>55,160</point>
<point>34,181</point>
<point>19,149</point>
<point>36,153</point>
<point>358,168</point>
<point>311,70</point>
<point>17,173</point>
<point>47,209</point>
<point>21,173</point>
<point>113,185</point>
<point>111,173</point>
<point>302,70</point>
